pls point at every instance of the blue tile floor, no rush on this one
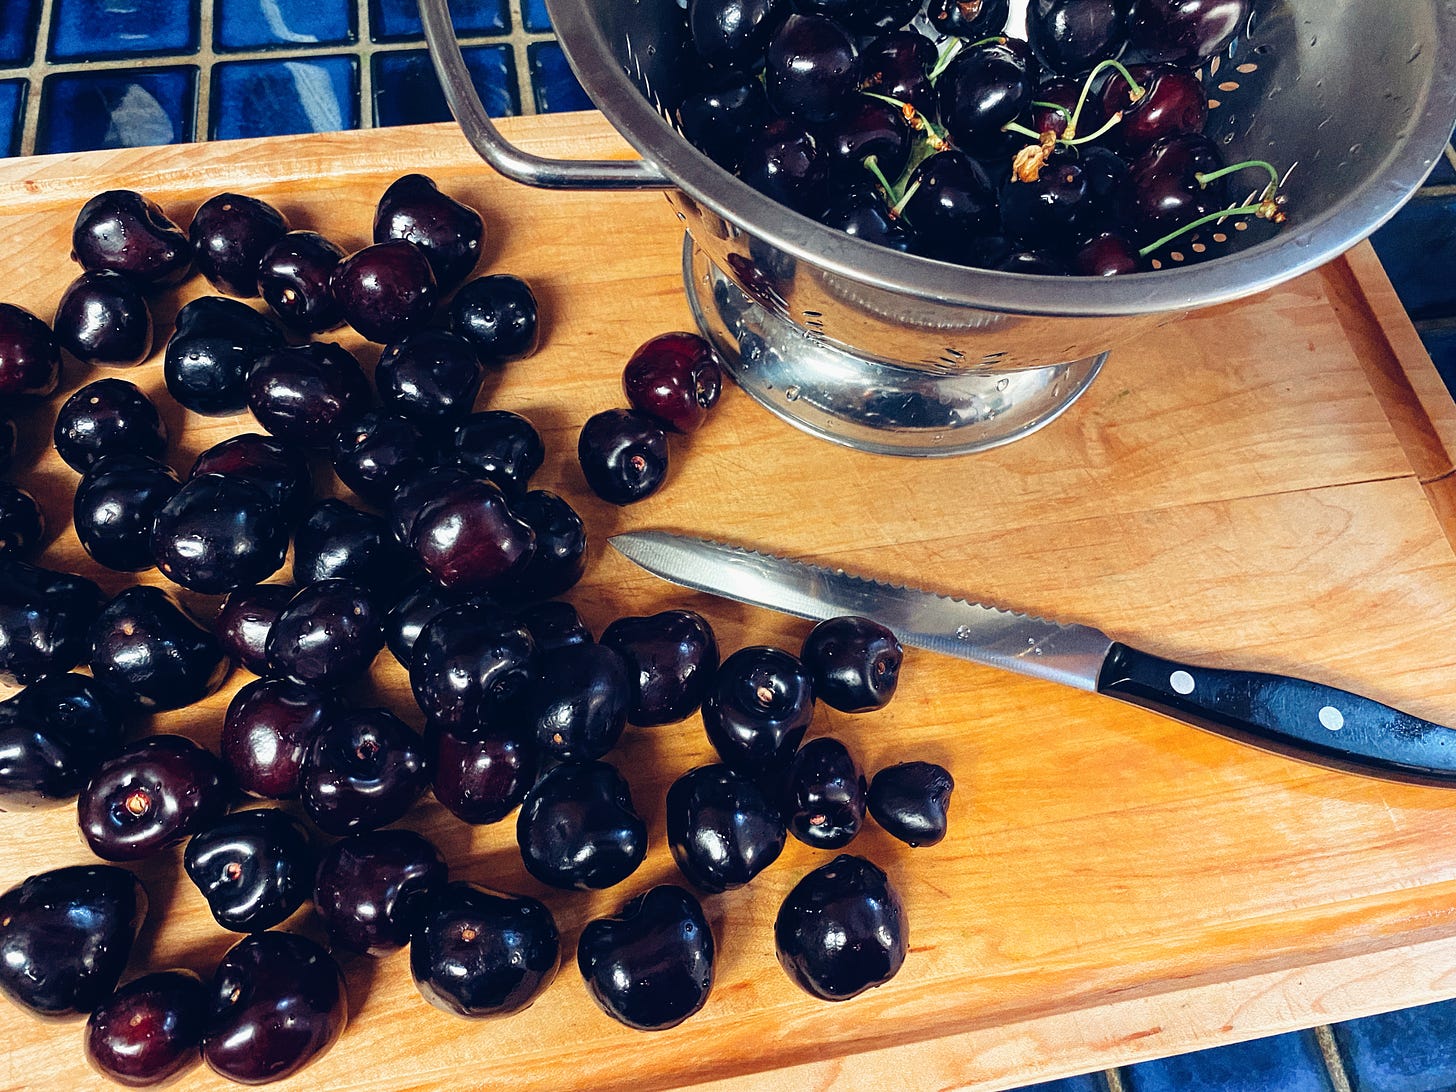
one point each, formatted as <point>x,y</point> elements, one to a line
<point>84,74</point>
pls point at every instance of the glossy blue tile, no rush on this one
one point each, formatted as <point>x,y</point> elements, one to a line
<point>261,24</point>
<point>406,91</point>
<point>1407,1051</point>
<point>270,98</point>
<point>1418,240</point>
<point>12,114</point>
<point>17,31</point>
<point>391,20</point>
<point>552,80</point>
<point>88,30</point>
<point>534,16</point>
<point>1281,1063</point>
<point>1090,1082</point>
<point>81,111</point>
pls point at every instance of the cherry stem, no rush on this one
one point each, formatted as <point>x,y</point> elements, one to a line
<point>871,164</point>
<point>1102,66</point>
<point>1066,114</point>
<point>1107,127</point>
<point>1213,176</point>
<point>1212,217</point>
<point>950,51</point>
<point>1017,127</point>
<point>904,200</point>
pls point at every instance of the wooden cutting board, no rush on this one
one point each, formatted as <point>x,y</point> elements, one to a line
<point>1264,484</point>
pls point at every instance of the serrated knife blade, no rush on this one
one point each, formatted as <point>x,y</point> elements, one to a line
<point>1293,717</point>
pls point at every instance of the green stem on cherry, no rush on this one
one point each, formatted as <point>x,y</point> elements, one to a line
<point>953,49</point>
<point>1264,210</point>
<point>1204,178</point>
<point>1137,90</point>
<point>1057,107</point>
<point>899,206</point>
<point>872,164</point>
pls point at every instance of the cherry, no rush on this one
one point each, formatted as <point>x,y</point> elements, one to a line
<point>254,868</point>
<point>108,417</point>
<point>103,318</point>
<point>277,1003</point>
<point>22,523</point>
<point>1064,93</point>
<point>150,795</point>
<point>482,775</point>
<point>910,800</point>
<point>986,86</point>
<point>294,279</point>
<point>1163,193</point>
<point>123,231</point>
<point>1053,212</point>
<point>758,709</point>
<point>449,232</point>
<point>825,799</point>
<point>45,620</point>
<point>377,452</point>
<point>733,33</point>
<point>671,659</point>
<point>841,930</point>
<point>867,127</point>
<point>150,653</point>
<point>577,701</point>
<point>560,556</point>
<point>479,953</point>
<point>65,937</point>
<point>855,663</point>
<point>266,734</point>
<point>970,19</point>
<point>420,604</point>
<point>213,348</point>
<point>859,209</point>
<point>1184,31</point>
<point>53,735</point>
<point>953,207</point>
<point>338,541</point>
<point>30,359</point>
<point>364,770</point>
<point>897,65</point>
<point>499,316</point>
<point>469,665</point>
<point>1107,254</point>
<point>1073,35</point>
<point>327,635</point>
<point>385,290</point>
<point>783,160</point>
<point>305,394</point>
<point>810,68</point>
<point>148,1030</point>
<point>499,445</point>
<point>623,455</point>
<point>431,376</point>
<point>722,828</point>
<point>370,889</point>
<point>578,829</point>
<point>649,966</point>
<point>416,494</point>
<point>116,503</point>
<point>218,533</point>
<point>554,624</point>
<point>1173,102</point>
<point>281,471</point>
<point>245,619</point>
<point>718,117</point>
<point>874,16</point>
<point>674,378</point>
<point>229,234</point>
<point>467,537</point>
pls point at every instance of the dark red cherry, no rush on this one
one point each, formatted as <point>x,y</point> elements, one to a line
<point>116,503</point>
<point>267,731</point>
<point>478,953</point>
<point>733,33</point>
<point>671,658</point>
<point>430,376</point>
<point>499,445</point>
<point>103,318</point>
<point>293,278</point>
<point>448,231</point>
<point>150,653</point>
<point>1063,92</point>
<point>379,451</point>
<point>148,1030</point>
<point>385,290</point>
<point>718,116</point>
<point>651,965</point>
<point>970,19</point>
<point>986,86</point>
<point>824,802</point>
<point>783,160</point>
<point>304,394</point>
<point>415,495</point>
<point>210,353</point>
<point>371,888</point>
<point>878,16</point>
<point>420,604</point>
<point>66,935</point>
<point>553,624</point>
<point>1073,35</point>
<point>280,470</point>
<point>623,455</point>
<point>674,378</point>
<point>867,127</point>
<point>482,775</point>
<point>245,619</point>
<point>810,68</point>
<point>499,316</point>
<point>254,868</point>
<point>954,207</point>
<point>338,541</point>
<point>1184,32</point>
<point>559,559</point>
<point>758,709</point>
<point>365,769</point>
<point>841,930</point>
<point>897,65</point>
<point>469,540</point>
<point>277,1003</point>
<point>108,417</point>
<point>30,359</point>
<point>229,234</point>
<point>22,523</point>
<point>1107,254</point>
<point>53,735</point>
<point>219,532</point>
<point>722,828</point>
<point>855,663</point>
<point>859,209</point>
<point>578,828</point>
<point>1162,188</point>
<point>577,701</point>
<point>152,794</point>
<point>910,800</point>
<point>470,665</point>
<point>1173,102</point>
<point>327,635</point>
<point>1053,212</point>
<point>123,231</point>
<point>45,620</point>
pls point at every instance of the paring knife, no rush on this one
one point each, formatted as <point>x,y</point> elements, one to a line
<point>1293,717</point>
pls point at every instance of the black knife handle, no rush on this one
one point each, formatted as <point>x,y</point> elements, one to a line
<point>1292,717</point>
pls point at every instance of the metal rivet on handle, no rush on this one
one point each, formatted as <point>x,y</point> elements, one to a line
<point>1332,718</point>
<point>1181,681</point>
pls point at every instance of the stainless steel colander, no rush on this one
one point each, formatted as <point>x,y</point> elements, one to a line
<point>1353,99</point>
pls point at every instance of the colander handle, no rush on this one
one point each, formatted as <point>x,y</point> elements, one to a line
<point>505,157</point>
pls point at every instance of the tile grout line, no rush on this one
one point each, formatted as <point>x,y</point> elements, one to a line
<point>1334,1063</point>
<point>1113,1077</point>
<point>520,52</point>
<point>364,52</point>
<point>202,120</point>
<point>36,73</point>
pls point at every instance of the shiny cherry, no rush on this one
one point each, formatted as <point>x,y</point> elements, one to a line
<point>124,231</point>
<point>149,1030</point>
<point>245,619</point>
<point>449,232</point>
<point>855,663</point>
<point>267,731</point>
<point>304,394</point>
<point>878,16</point>
<point>859,209</point>
<point>897,65</point>
<point>1163,191</point>
<point>986,86</point>
<point>385,290</point>
<point>430,376</point>
<point>675,378</point>
<point>150,795</point>
<point>116,503</point>
<point>810,68</point>
<point>414,496</point>
<point>482,775</point>
<point>210,353</point>
<point>671,659</point>
<point>718,116</point>
<point>280,470</point>
<point>623,455</point>
<point>499,316</point>
<point>758,709</point>
<point>370,889</point>
<point>468,539</point>
<point>219,532</point>
<point>378,451</point>
<point>103,318</point>
<point>910,800</point>
<point>577,701</point>
<point>553,624</point>
<point>108,417</point>
<point>22,523</point>
<point>150,653</point>
<point>783,160</point>
<point>254,868</point>
<point>1173,102</point>
<point>733,33</point>
<point>953,207</point>
<point>338,541</point>
<point>45,619</point>
<point>970,19</point>
<point>294,277</point>
<point>722,828</point>
<point>841,930</point>
<point>1107,254</point>
<point>30,359</point>
<point>1184,32</point>
<point>498,445</point>
<point>470,665</point>
<point>868,127</point>
<point>422,602</point>
<point>327,635</point>
<point>53,735</point>
<point>578,828</point>
<point>824,802</point>
<point>1073,35</point>
<point>365,769</point>
<point>230,233</point>
<point>559,559</point>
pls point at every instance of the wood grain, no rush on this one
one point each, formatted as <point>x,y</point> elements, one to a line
<point>1248,486</point>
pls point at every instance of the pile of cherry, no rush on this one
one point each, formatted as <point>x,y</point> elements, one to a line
<point>951,139</point>
<point>454,563</point>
